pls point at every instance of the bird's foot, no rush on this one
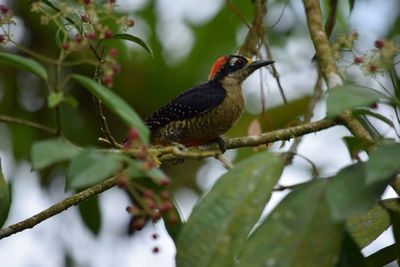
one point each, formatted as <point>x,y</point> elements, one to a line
<point>221,144</point>
<point>179,146</point>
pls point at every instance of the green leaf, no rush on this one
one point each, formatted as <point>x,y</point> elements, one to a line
<point>115,104</point>
<point>156,175</point>
<point>298,232</point>
<point>356,144</point>
<point>5,198</point>
<point>350,255</point>
<point>383,163</point>
<point>366,227</point>
<point>91,214</point>
<point>91,167</point>
<point>382,257</point>
<point>394,213</point>
<point>348,97</point>
<point>71,101</point>
<point>223,218</point>
<point>349,195</point>
<point>23,63</point>
<point>54,99</point>
<point>56,9</point>
<point>134,39</point>
<point>375,115</point>
<point>47,152</point>
<point>351,5</point>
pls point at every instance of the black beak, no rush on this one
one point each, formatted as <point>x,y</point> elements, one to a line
<point>242,74</point>
<point>258,64</point>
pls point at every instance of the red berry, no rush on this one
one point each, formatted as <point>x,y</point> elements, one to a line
<point>129,22</point>
<point>87,2</point>
<point>166,206</point>
<point>138,223</point>
<point>156,250</point>
<point>122,182</point>
<point>113,52</point>
<point>85,18</point>
<point>108,34</point>
<point>374,105</point>
<point>155,215</point>
<point>2,38</point>
<point>150,203</point>
<point>358,60</point>
<point>379,43</point>
<point>165,195</point>
<point>65,46</point>
<point>78,38</point>
<point>4,9</point>
<point>91,35</point>
<point>148,193</point>
<point>116,68</point>
<point>164,182</point>
<point>108,80</point>
<point>154,236</point>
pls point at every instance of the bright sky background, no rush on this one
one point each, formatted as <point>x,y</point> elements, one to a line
<point>43,246</point>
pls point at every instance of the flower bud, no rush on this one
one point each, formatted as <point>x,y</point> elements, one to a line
<point>379,43</point>
<point>358,60</point>
<point>91,35</point>
<point>65,46</point>
<point>85,18</point>
<point>108,34</point>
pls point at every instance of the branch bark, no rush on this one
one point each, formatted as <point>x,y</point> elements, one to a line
<point>57,208</point>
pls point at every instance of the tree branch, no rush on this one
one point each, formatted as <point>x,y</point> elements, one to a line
<point>57,208</point>
<point>200,152</point>
<point>327,63</point>
<point>323,51</point>
<point>27,123</point>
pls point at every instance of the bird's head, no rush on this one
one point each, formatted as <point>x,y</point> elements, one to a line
<point>235,66</point>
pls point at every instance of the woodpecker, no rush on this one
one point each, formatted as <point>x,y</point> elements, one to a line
<point>203,113</point>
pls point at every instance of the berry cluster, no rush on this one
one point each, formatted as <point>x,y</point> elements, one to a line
<point>150,201</point>
<point>375,61</point>
<point>151,205</point>
<point>5,18</point>
<point>91,28</point>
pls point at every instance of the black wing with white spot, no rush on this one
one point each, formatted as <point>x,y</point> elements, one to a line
<point>188,104</point>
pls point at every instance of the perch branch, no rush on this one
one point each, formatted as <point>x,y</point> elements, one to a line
<point>194,153</point>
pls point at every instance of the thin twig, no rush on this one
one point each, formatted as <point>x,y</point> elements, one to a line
<point>58,208</point>
<point>275,72</point>
<point>27,123</point>
<point>225,162</point>
<point>99,109</point>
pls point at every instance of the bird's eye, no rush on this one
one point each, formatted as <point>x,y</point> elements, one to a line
<point>237,62</point>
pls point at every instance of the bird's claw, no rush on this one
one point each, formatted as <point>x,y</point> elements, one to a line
<point>221,144</point>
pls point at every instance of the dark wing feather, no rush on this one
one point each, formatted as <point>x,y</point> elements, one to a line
<point>188,104</point>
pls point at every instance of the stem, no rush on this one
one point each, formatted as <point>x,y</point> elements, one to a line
<point>26,123</point>
<point>323,51</point>
<point>57,208</point>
